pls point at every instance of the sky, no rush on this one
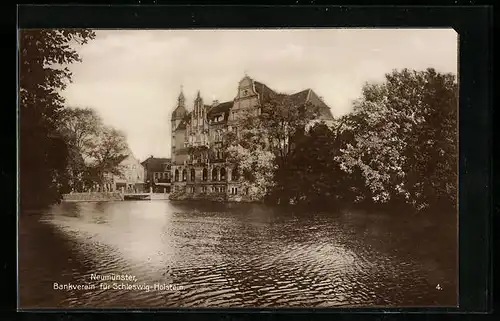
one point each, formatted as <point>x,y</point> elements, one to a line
<point>132,78</point>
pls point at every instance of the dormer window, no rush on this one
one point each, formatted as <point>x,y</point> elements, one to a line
<point>245,92</point>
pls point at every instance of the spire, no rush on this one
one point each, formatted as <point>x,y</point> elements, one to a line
<point>181,98</point>
<point>198,95</point>
<point>180,110</point>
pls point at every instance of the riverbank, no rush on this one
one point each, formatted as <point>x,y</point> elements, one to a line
<point>93,197</point>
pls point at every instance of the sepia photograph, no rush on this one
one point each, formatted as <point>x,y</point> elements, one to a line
<point>237,168</point>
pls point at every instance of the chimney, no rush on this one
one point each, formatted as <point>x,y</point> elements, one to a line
<point>215,102</point>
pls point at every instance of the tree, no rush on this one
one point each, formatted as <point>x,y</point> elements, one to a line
<point>245,147</point>
<point>263,141</point>
<point>107,152</point>
<point>80,128</point>
<point>283,120</point>
<point>405,139</point>
<point>432,151</point>
<point>44,55</point>
<point>317,178</point>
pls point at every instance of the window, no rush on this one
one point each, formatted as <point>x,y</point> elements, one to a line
<point>234,174</point>
<point>193,174</point>
<point>205,174</point>
<point>223,174</point>
<point>176,175</point>
<point>184,175</point>
<point>214,174</point>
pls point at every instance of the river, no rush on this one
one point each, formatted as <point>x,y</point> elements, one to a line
<point>232,255</point>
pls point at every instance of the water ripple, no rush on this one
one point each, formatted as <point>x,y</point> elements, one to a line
<point>236,256</point>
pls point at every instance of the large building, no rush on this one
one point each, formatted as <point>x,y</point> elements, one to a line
<point>199,167</point>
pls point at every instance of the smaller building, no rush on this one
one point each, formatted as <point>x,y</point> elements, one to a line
<point>157,174</point>
<point>131,179</point>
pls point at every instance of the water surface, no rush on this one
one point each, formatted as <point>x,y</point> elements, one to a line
<point>234,255</point>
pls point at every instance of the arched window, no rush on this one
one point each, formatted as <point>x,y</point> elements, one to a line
<point>205,174</point>
<point>193,174</point>
<point>214,174</point>
<point>234,174</point>
<point>184,175</point>
<point>176,175</point>
<point>222,174</point>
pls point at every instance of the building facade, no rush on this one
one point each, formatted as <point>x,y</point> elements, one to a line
<point>131,179</point>
<point>198,164</point>
<point>157,174</point>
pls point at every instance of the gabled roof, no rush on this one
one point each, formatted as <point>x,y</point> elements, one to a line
<point>301,96</point>
<point>122,157</point>
<point>324,110</point>
<point>308,95</point>
<point>153,164</point>
<point>265,93</point>
<point>220,108</point>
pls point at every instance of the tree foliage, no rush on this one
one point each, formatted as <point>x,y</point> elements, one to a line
<point>405,139</point>
<point>264,139</point>
<point>107,152</point>
<point>44,56</point>
<point>95,149</point>
<point>245,147</point>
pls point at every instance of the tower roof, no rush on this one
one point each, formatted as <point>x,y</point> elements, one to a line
<point>180,111</point>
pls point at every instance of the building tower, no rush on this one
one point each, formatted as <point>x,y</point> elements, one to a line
<point>177,116</point>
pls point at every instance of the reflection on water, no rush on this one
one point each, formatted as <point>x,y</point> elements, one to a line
<point>233,255</point>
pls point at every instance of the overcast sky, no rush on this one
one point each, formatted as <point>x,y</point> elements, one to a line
<point>133,77</point>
